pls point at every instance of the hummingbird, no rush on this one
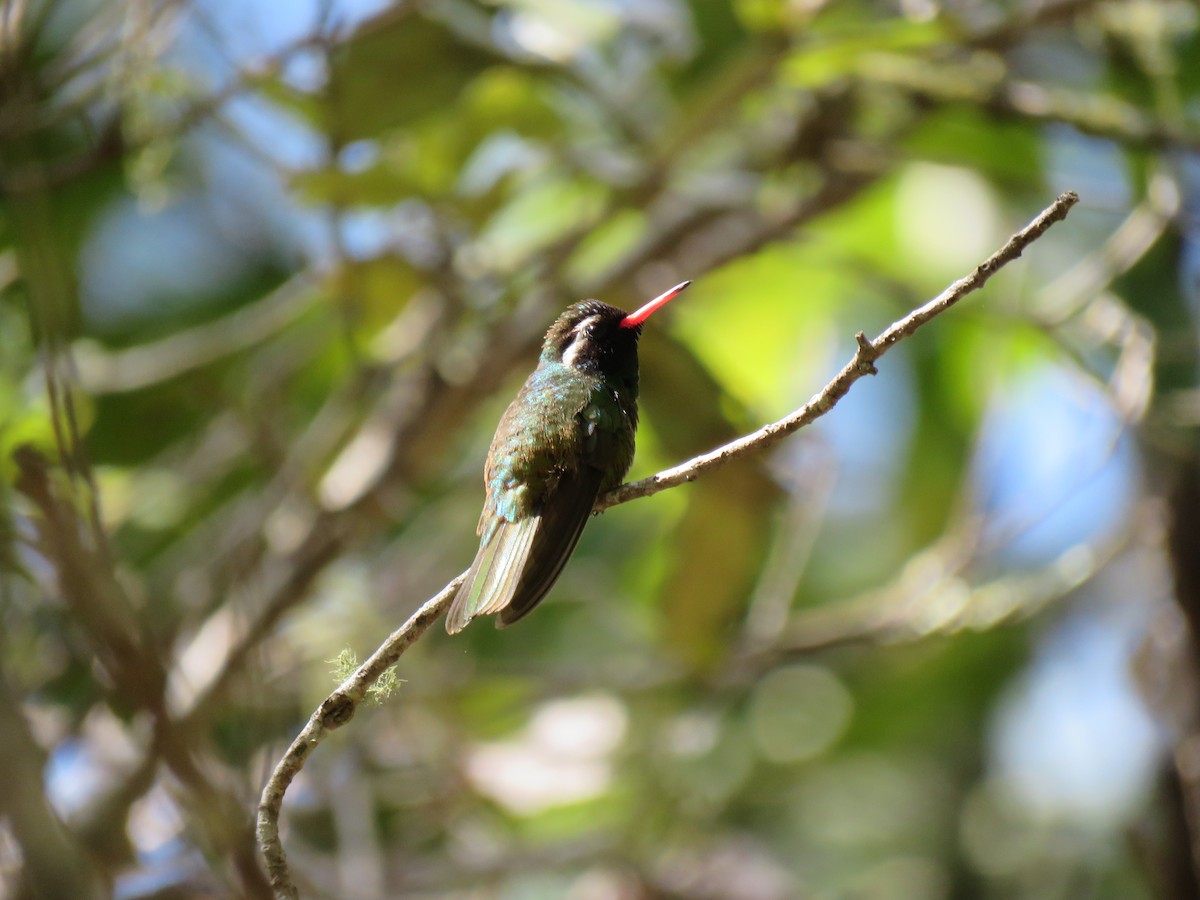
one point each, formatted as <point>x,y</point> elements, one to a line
<point>567,437</point>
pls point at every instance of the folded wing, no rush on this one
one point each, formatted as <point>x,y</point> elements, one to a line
<point>564,514</point>
<point>518,562</point>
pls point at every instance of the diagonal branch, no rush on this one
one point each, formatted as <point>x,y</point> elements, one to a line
<point>335,711</point>
<point>862,364</point>
<point>339,707</point>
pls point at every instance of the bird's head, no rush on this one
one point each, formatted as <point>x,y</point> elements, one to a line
<point>600,339</point>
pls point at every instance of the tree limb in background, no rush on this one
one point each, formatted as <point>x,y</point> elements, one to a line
<point>125,652</point>
<point>339,707</point>
<point>54,863</point>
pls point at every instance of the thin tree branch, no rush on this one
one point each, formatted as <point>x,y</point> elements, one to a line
<point>862,364</point>
<point>339,707</point>
<point>335,711</point>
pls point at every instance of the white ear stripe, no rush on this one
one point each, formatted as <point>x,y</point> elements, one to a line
<point>578,340</point>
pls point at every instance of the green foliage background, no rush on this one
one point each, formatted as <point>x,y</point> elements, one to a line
<point>267,287</point>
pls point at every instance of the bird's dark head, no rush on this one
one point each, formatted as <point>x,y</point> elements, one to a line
<point>600,339</point>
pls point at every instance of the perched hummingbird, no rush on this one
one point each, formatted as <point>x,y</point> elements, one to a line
<point>565,438</point>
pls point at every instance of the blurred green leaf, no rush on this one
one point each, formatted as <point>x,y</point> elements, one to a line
<point>401,66</point>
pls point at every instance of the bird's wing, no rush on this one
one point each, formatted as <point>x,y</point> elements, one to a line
<point>518,562</point>
<point>563,515</point>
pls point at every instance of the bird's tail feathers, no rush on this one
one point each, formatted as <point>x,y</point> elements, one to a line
<point>494,575</point>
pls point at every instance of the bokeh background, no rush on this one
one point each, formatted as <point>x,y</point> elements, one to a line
<point>271,270</point>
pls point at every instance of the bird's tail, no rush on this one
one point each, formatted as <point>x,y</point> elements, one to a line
<point>495,573</point>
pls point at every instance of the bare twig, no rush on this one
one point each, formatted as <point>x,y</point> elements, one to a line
<point>335,711</point>
<point>339,707</point>
<point>862,364</point>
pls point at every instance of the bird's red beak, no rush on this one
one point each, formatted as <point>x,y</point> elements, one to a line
<point>637,318</point>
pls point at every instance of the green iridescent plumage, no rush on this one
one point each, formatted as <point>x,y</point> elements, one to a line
<point>566,437</point>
